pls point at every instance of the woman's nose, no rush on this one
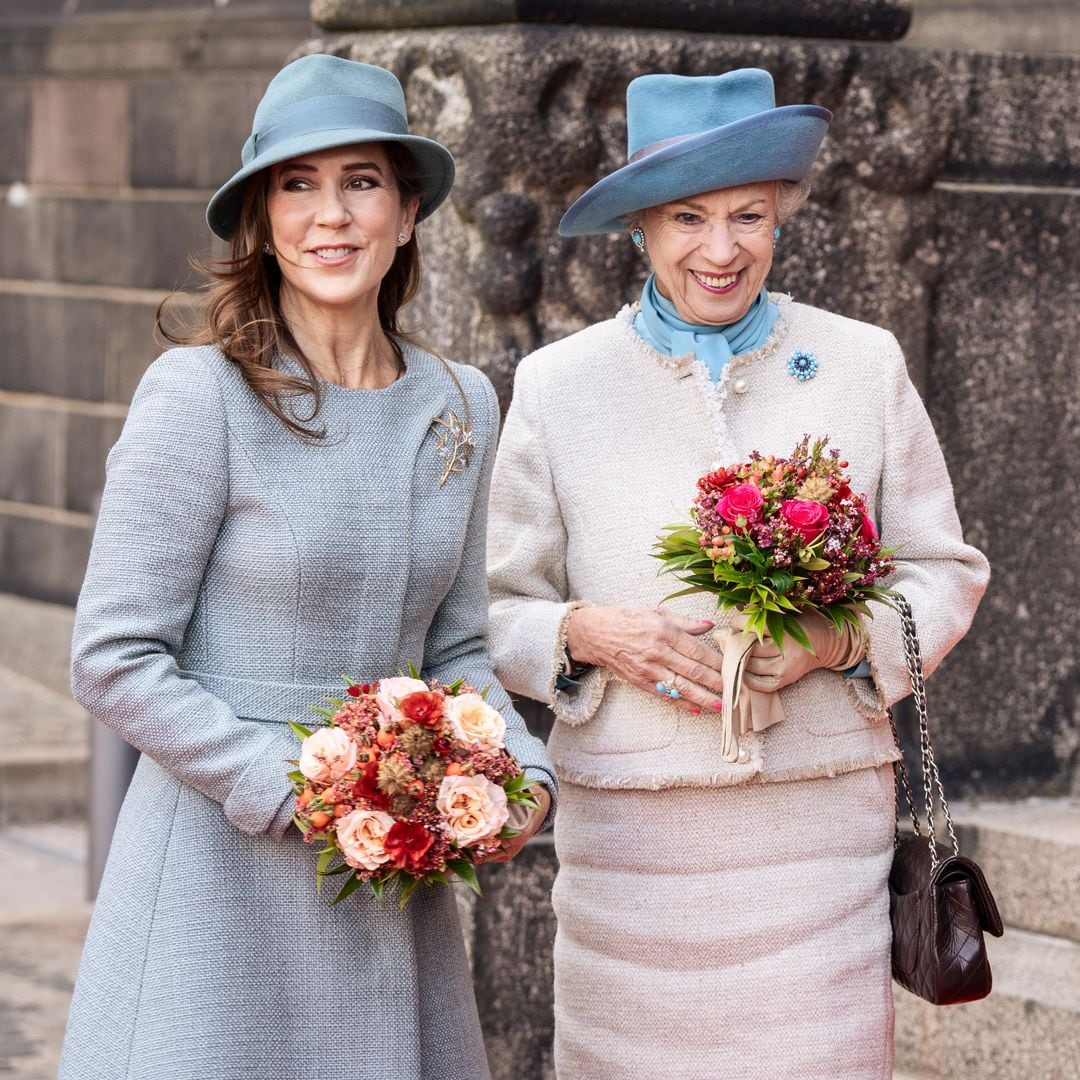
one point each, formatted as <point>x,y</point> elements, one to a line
<point>721,243</point>
<point>332,210</point>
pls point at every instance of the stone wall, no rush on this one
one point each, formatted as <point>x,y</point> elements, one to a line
<point>943,207</point>
<point>117,125</point>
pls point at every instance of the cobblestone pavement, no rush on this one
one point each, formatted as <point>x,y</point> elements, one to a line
<point>43,919</point>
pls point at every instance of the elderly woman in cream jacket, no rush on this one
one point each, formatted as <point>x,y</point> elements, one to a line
<point>715,918</point>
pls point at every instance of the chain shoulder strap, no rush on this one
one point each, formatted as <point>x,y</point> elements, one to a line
<point>931,774</point>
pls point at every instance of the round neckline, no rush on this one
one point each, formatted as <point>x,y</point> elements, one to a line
<point>409,356</point>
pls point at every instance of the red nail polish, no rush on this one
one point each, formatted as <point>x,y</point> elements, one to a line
<point>706,622</point>
<point>695,709</point>
<point>717,705</point>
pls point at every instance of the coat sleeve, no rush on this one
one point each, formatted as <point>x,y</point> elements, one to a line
<point>531,602</point>
<point>165,500</point>
<point>457,641</point>
<point>942,577</point>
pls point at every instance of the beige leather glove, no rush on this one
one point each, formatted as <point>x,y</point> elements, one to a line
<point>767,668</point>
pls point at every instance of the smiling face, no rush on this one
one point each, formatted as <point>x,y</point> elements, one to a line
<point>712,252</point>
<point>335,217</point>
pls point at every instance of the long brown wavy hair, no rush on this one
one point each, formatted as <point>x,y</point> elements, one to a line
<point>242,310</point>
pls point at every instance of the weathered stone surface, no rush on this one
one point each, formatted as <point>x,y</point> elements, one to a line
<point>977,285</point>
<point>512,938</point>
<point>187,131</point>
<point>35,640</point>
<point>79,133</point>
<point>1021,26</point>
<point>872,20</point>
<point>1004,394</point>
<point>138,242</point>
<point>89,439</point>
<point>130,347</point>
<point>42,557</point>
<point>15,123</point>
<point>30,455</point>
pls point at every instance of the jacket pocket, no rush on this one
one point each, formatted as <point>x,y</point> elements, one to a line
<point>820,705</point>
<point>628,721</point>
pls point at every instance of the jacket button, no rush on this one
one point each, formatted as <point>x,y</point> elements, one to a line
<point>744,755</point>
<point>741,386</point>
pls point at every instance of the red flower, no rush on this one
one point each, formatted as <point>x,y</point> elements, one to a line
<point>806,517</point>
<point>868,530</point>
<point>717,480</point>
<point>742,501</point>
<point>354,691</point>
<point>367,787</point>
<point>407,843</point>
<point>423,707</point>
<point>442,746</point>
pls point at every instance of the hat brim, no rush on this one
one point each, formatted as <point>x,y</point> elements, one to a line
<point>780,144</point>
<point>435,161</point>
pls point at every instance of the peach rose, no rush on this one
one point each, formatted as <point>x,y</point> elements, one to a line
<point>361,835</point>
<point>326,754</point>
<point>391,691</point>
<point>475,721</point>
<point>475,809</point>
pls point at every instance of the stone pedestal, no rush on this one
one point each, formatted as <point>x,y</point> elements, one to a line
<point>942,208</point>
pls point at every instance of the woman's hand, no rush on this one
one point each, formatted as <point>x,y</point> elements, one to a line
<point>645,646</point>
<point>514,844</point>
<point>768,668</point>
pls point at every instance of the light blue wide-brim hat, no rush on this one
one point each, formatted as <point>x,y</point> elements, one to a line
<point>319,102</point>
<point>688,134</point>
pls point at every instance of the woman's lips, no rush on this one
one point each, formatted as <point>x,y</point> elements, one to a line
<point>334,256</point>
<point>717,284</point>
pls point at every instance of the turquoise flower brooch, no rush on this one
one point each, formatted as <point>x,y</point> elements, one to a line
<point>803,365</point>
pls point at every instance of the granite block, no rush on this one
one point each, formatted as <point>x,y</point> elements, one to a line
<point>79,133</point>
<point>88,441</point>
<point>188,131</point>
<point>15,126</point>
<point>53,344</point>
<point>30,455</point>
<point>41,558</point>
<point>137,242</point>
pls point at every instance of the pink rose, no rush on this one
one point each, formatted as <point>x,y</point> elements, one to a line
<point>361,836</point>
<point>805,517</point>
<point>389,696</point>
<point>743,500</point>
<point>326,754</point>
<point>868,530</point>
<point>475,809</point>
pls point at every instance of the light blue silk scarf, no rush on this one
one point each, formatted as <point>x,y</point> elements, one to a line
<point>661,326</point>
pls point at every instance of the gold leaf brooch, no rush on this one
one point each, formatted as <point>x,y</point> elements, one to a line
<point>454,443</point>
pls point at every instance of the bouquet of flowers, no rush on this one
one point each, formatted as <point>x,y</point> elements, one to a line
<point>408,782</point>
<point>775,537</point>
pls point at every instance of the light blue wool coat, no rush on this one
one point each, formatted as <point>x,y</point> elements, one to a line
<point>236,572</point>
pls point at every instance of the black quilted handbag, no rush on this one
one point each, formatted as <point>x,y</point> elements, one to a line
<point>939,903</point>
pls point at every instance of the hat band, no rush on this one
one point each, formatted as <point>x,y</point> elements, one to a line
<point>328,114</point>
<point>645,151</point>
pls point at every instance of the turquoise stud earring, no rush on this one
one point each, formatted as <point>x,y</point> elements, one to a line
<point>776,233</point>
<point>639,239</point>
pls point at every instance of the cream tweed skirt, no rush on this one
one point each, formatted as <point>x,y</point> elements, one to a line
<point>725,932</point>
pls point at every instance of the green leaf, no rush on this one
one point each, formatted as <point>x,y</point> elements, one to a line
<point>506,833</point>
<point>467,872</point>
<point>299,730</point>
<point>347,889</point>
<point>814,563</point>
<point>322,710</point>
<point>412,671</point>
<point>296,776</point>
<point>455,686</point>
<point>378,886</point>
<point>407,890</point>
<point>799,634</point>
<point>298,823</point>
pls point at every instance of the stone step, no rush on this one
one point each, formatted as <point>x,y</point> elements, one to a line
<point>1030,853</point>
<point>1028,1028</point>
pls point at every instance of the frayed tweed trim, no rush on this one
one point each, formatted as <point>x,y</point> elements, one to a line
<point>714,393</point>
<point>869,701</point>
<point>574,709</point>
<point>726,778</point>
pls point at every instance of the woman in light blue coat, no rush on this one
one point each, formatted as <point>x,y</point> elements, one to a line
<point>301,492</point>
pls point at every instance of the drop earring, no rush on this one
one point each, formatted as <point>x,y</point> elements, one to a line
<point>776,233</point>
<point>639,239</point>
<point>267,249</point>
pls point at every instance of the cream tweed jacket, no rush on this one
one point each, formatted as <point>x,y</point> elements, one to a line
<point>603,445</point>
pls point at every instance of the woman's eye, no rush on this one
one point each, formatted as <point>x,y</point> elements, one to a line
<point>361,183</point>
<point>748,219</point>
<point>295,183</point>
<point>688,219</point>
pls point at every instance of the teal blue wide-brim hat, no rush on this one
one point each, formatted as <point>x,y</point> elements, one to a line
<point>688,134</point>
<point>317,103</point>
